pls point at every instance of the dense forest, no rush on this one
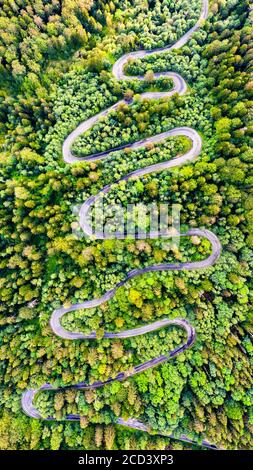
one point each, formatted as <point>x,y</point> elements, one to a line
<point>56,71</point>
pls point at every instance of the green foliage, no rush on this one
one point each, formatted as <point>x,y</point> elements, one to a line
<point>53,78</point>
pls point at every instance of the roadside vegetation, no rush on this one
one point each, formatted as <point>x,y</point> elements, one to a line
<point>52,79</point>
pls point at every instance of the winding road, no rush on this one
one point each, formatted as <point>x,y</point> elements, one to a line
<point>55,320</point>
<point>27,398</point>
<point>179,86</point>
